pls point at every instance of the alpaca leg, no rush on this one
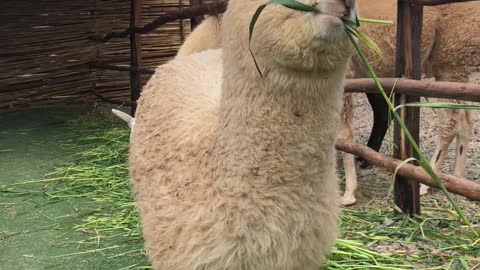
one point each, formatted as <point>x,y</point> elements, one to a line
<point>350,180</point>
<point>463,138</point>
<point>348,159</point>
<point>444,139</point>
<point>380,124</point>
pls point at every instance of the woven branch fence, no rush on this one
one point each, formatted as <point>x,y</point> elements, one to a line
<point>47,53</point>
<point>50,49</point>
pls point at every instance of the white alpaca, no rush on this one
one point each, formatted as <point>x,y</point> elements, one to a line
<point>207,36</point>
<point>232,171</point>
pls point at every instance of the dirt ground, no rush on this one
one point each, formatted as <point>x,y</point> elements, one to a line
<point>374,183</point>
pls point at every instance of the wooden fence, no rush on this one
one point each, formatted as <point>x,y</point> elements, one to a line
<point>48,55</point>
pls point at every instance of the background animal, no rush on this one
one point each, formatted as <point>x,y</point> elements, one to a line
<point>205,36</point>
<point>450,49</point>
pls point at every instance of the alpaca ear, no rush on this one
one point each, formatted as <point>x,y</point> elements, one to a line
<point>125,117</point>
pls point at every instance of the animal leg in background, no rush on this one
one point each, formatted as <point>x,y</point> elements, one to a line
<point>345,132</point>
<point>380,124</point>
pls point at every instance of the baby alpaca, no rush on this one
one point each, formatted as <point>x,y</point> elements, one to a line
<point>205,36</point>
<point>232,171</point>
<point>455,58</point>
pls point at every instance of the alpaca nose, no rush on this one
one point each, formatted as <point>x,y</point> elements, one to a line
<point>346,13</point>
<point>338,8</point>
<point>349,6</point>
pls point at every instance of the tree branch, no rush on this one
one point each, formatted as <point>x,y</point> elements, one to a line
<point>460,186</point>
<point>452,90</point>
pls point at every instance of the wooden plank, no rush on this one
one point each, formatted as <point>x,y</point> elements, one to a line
<point>135,53</point>
<point>182,30</point>
<point>408,64</point>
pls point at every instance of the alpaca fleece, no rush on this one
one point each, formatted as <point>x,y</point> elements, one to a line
<point>232,171</point>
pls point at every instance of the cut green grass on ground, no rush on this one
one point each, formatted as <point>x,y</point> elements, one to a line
<point>370,238</point>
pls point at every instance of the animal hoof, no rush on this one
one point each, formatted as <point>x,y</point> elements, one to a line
<point>424,190</point>
<point>348,201</point>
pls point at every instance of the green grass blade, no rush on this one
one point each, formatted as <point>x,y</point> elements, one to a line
<point>442,105</point>
<point>250,34</point>
<point>363,20</point>
<point>372,45</point>
<point>390,190</point>
<point>292,4</point>
<point>350,24</point>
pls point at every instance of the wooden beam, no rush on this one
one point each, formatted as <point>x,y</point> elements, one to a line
<point>122,68</point>
<point>443,2</point>
<point>460,186</point>
<point>135,53</point>
<point>195,21</point>
<point>182,28</point>
<point>408,64</point>
<point>452,90</point>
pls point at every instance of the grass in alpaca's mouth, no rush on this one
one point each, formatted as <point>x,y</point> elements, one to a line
<point>352,31</point>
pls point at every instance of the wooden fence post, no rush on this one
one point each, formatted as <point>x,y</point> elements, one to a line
<point>408,64</point>
<point>195,21</point>
<point>135,53</point>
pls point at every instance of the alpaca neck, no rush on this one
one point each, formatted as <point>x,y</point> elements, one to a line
<point>270,129</point>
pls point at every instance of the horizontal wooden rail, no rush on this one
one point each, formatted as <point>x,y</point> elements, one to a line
<point>170,15</point>
<point>122,68</point>
<point>452,90</point>
<point>460,186</point>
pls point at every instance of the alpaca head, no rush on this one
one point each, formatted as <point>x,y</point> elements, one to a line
<point>287,39</point>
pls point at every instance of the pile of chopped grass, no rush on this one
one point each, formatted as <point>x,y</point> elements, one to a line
<point>371,238</point>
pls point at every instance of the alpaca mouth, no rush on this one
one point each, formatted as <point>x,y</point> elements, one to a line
<point>329,27</point>
<point>350,14</point>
